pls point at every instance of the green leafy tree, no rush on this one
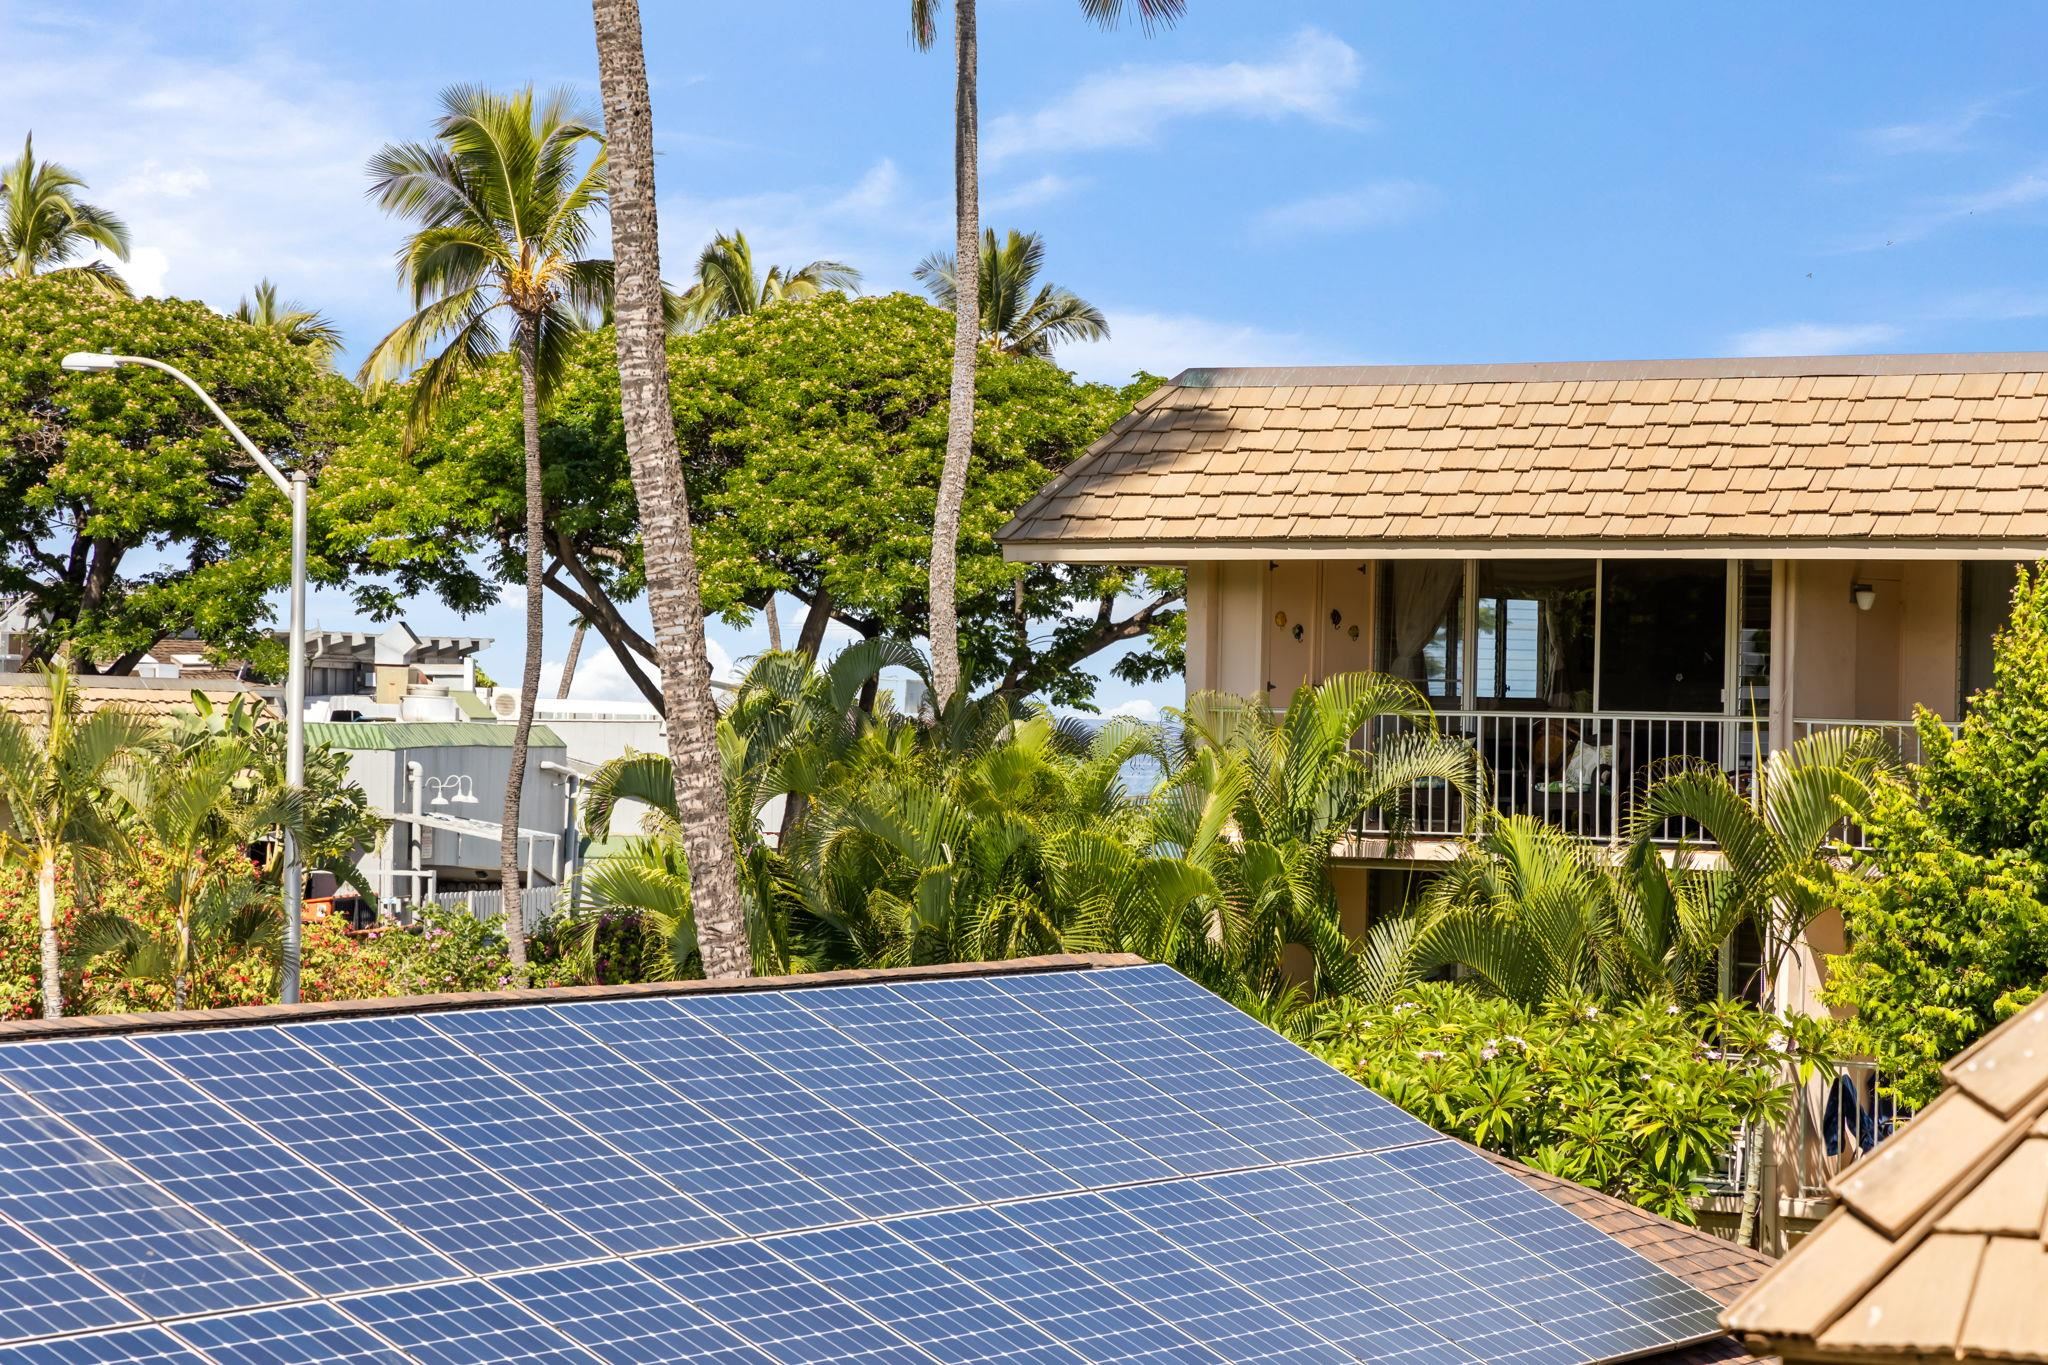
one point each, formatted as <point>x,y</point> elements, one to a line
<point>1013,319</point>
<point>812,440</point>
<point>942,585</point>
<point>505,195</point>
<point>296,323</point>
<point>55,787</point>
<point>1639,1100</point>
<point>44,226</point>
<point>1947,913</point>
<point>729,284</point>
<point>133,516</point>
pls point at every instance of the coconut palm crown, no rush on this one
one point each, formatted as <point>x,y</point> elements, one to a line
<point>290,319</point>
<point>729,284</point>
<point>44,226</point>
<point>1013,319</point>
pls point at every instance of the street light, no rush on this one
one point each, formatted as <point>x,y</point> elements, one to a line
<point>293,486</point>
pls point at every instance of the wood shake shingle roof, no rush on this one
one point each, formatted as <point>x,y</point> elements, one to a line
<point>1819,452</point>
<point>1937,1249</point>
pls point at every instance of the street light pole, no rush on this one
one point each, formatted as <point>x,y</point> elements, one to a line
<point>293,486</point>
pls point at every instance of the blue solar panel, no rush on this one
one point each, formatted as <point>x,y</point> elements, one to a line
<point>297,1334</point>
<point>1178,1286</point>
<point>1264,1057</point>
<point>96,1212</point>
<point>765,1105</point>
<point>1109,1166</point>
<point>141,1346</point>
<point>617,1311</point>
<point>903,1112</point>
<point>900,1286</point>
<point>1292,1279</point>
<point>521,1137</point>
<point>389,1159</point>
<point>1072,1305</point>
<point>777,1307</point>
<point>42,1295</point>
<point>463,1323</point>
<point>670,1135</point>
<point>1063,1064</point>
<point>198,1151</point>
<point>1169,1062</point>
<point>954,1065</point>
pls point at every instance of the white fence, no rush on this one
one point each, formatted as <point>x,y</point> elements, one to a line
<point>536,903</point>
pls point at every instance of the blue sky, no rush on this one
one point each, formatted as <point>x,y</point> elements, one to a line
<point>1266,183</point>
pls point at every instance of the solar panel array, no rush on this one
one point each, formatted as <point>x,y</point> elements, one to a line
<point>1103,1165</point>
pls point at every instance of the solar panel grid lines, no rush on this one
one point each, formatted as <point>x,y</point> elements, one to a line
<point>820,1141</point>
<point>976,1079</point>
<point>279,1205</point>
<point>1272,1062</point>
<point>778,1308</point>
<point>621,1314</point>
<point>669,1118</point>
<point>296,1334</point>
<point>42,1294</point>
<point>455,1203</point>
<point>1178,1286</point>
<point>130,1235</point>
<point>1088,1079</point>
<point>1288,1276</point>
<point>134,1346</point>
<point>567,1168</point>
<point>1071,1304</point>
<point>464,1322</point>
<point>1172,1064</point>
<point>657,1125</point>
<point>888,1102</point>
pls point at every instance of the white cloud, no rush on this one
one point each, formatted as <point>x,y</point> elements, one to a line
<point>1943,133</point>
<point>226,169</point>
<point>2021,191</point>
<point>877,223</point>
<point>1379,204</point>
<point>1137,708</point>
<point>1813,338</point>
<point>1032,193</point>
<point>1130,106</point>
<point>600,677</point>
<point>1166,343</point>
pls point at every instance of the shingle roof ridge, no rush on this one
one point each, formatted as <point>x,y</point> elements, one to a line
<point>1701,367</point>
<point>249,1016</point>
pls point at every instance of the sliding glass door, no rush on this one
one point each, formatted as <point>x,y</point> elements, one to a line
<point>1664,635</point>
<point>1533,635</point>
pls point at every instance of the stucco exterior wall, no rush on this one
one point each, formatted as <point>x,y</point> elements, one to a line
<point>1850,664</point>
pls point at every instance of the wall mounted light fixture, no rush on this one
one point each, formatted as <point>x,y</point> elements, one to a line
<point>1863,595</point>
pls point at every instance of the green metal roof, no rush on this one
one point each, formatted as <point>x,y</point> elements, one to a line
<point>470,704</point>
<point>424,734</point>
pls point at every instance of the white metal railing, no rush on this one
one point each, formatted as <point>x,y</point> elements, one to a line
<point>1836,1118</point>
<point>536,902</point>
<point>1582,771</point>
<point>1902,736</point>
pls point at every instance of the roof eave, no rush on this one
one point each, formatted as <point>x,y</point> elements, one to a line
<point>1060,550</point>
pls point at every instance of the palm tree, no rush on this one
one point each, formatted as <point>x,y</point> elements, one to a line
<point>505,199</point>
<point>945,612</point>
<point>43,225</point>
<point>196,808</point>
<point>1261,799</point>
<point>296,323</point>
<point>1013,319</point>
<point>668,556</point>
<point>54,783</point>
<point>729,286</point>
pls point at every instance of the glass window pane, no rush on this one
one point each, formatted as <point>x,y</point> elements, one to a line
<point>1987,607</point>
<point>1533,646</point>
<point>1664,635</point>
<point>1422,625</point>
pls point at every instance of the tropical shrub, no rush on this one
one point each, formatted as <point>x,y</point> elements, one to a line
<point>1947,914</point>
<point>1640,1100</point>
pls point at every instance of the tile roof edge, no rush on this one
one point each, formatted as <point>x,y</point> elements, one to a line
<point>249,1016</point>
<point>2016,1130</point>
<point>1705,367</point>
<point>1089,456</point>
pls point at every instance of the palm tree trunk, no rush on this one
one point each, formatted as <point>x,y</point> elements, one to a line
<point>669,557</point>
<point>181,978</point>
<point>46,917</point>
<point>945,621</point>
<point>774,624</point>
<point>529,678</point>
<point>569,664</point>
